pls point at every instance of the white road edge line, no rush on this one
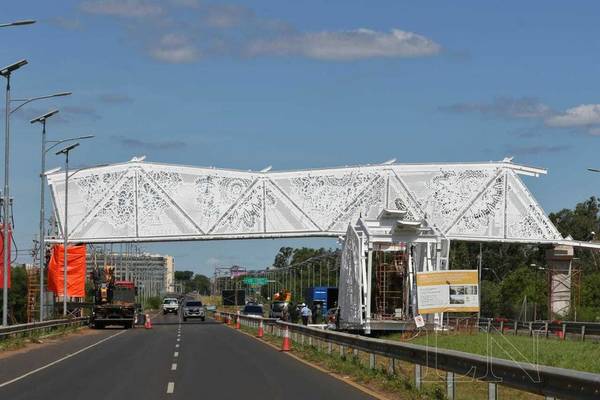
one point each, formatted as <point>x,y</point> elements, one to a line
<point>59,360</point>
<point>170,387</point>
<point>173,366</point>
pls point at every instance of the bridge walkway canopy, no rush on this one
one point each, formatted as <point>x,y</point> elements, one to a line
<point>141,201</point>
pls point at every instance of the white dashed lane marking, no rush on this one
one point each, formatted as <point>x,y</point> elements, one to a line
<point>173,367</point>
<point>176,354</point>
<point>177,345</point>
<point>170,387</point>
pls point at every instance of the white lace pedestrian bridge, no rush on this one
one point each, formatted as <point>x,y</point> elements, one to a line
<point>141,201</point>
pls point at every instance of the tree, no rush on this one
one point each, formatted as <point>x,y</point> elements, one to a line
<point>282,259</point>
<point>580,223</point>
<point>17,295</point>
<point>183,275</point>
<point>201,283</point>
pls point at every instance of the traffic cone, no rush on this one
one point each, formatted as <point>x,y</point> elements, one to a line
<point>237,321</point>
<point>260,329</point>
<point>286,345</point>
<point>148,323</point>
<point>229,320</point>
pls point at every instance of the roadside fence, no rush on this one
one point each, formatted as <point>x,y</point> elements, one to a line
<point>40,327</point>
<point>560,329</point>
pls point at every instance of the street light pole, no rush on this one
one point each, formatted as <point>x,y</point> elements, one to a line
<point>66,151</point>
<point>6,208</point>
<point>42,246</point>
<point>6,72</point>
<point>42,252</point>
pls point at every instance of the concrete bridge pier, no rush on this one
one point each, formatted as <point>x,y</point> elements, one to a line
<point>560,272</point>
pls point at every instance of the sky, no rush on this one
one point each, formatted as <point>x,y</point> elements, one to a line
<point>300,84</point>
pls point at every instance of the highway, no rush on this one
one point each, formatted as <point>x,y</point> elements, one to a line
<point>172,361</point>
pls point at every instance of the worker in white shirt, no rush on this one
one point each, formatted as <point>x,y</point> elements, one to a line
<point>305,313</point>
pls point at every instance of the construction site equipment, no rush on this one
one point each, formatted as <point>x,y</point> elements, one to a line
<point>114,301</point>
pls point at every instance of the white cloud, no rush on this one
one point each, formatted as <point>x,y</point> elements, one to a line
<point>584,117</point>
<point>216,29</point>
<point>347,45</point>
<point>505,107</point>
<point>227,16</point>
<point>122,8</point>
<point>580,116</point>
<point>175,48</point>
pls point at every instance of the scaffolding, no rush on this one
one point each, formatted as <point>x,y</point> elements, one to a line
<point>33,294</point>
<point>391,289</point>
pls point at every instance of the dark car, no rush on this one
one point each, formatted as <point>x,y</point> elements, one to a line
<point>253,309</point>
<point>193,309</point>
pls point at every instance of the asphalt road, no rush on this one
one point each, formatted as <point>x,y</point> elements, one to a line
<point>172,361</point>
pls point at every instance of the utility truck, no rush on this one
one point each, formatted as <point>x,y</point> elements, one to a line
<point>114,301</point>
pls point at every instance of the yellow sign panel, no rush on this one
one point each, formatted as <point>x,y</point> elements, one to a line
<point>457,277</point>
<point>448,291</point>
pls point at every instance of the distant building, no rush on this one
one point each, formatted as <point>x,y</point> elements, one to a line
<point>152,272</point>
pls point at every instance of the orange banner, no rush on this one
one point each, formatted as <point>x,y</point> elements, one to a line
<point>2,256</point>
<point>75,270</point>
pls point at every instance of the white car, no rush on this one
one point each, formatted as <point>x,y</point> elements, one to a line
<point>170,305</point>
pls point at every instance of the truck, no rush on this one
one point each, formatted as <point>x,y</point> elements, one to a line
<point>322,296</point>
<point>114,301</point>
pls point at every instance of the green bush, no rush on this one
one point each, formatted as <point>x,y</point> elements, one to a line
<point>153,303</point>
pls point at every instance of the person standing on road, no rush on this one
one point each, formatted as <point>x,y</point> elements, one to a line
<point>305,313</point>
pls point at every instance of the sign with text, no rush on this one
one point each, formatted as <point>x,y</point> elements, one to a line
<point>256,281</point>
<point>448,291</point>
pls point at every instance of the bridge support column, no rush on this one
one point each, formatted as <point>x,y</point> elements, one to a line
<point>560,272</point>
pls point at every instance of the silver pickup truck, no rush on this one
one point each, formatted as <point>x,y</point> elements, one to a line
<point>193,309</point>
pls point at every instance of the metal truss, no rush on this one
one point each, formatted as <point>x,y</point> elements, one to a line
<point>140,201</point>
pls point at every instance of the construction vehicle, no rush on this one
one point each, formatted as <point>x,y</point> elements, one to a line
<point>114,301</point>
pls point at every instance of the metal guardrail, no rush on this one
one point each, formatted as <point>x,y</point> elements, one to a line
<point>22,329</point>
<point>537,379</point>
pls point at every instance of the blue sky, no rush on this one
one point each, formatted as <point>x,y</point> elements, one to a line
<point>246,84</point>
